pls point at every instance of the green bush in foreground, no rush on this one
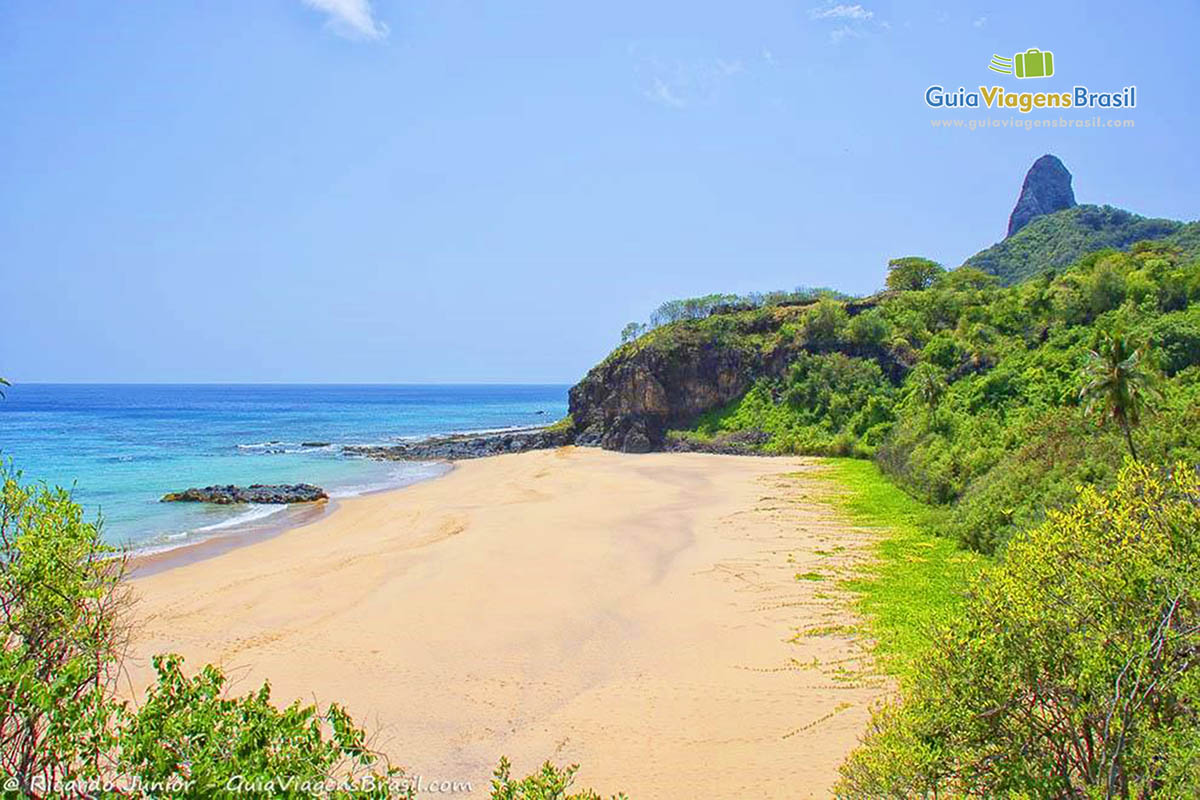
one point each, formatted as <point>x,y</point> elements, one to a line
<point>64,733</point>
<point>550,783</point>
<point>1069,672</point>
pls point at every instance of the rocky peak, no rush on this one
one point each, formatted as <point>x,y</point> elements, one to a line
<point>1047,189</point>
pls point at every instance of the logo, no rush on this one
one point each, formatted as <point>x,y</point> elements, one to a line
<point>1033,63</point>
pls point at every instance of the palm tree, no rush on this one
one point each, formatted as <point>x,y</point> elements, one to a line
<point>3,383</point>
<point>1118,383</point>
<point>928,385</point>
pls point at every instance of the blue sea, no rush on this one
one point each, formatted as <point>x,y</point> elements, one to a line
<point>122,446</point>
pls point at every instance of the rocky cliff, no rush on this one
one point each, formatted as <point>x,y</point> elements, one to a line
<point>667,378</point>
<point>1047,188</point>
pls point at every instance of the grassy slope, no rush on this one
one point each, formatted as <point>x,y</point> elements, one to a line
<point>919,577</point>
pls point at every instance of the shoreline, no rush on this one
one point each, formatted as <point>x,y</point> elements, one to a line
<point>439,450</point>
<point>288,517</point>
<point>640,615</point>
<point>144,563</point>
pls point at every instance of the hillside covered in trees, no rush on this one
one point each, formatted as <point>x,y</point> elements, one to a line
<point>1041,404</point>
<point>969,393</point>
<point>1055,241</point>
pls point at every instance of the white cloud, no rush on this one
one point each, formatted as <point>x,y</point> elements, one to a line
<point>730,67</point>
<point>848,21</point>
<point>845,32</point>
<point>353,19</point>
<point>840,11</point>
<point>979,23</point>
<point>685,83</point>
<point>662,93</point>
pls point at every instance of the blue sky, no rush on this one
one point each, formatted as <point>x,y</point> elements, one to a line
<point>442,190</point>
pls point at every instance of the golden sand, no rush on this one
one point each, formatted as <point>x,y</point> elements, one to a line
<point>640,615</point>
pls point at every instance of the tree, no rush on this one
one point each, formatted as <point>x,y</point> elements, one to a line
<point>912,273</point>
<point>1118,383</point>
<point>632,331</point>
<point>3,383</point>
<point>927,383</point>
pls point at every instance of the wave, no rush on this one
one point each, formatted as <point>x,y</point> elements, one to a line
<point>252,512</point>
<point>403,475</point>
<point>461,432</point>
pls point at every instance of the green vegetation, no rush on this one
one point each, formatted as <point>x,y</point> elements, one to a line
<point>1120,384</point>
<point>829,404</point>
<point>63,729</point>
<point>551,783</point>
<point>693,308</point>
<point>912,273</point>
<point>918,578</point>
<point>1057,240</point>
<point>972,395</point>
<point>1069,671</point>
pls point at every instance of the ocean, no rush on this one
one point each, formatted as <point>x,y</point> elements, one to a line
<point>120,447</point>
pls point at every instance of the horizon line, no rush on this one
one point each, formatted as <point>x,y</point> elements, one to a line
<point>17,384</point>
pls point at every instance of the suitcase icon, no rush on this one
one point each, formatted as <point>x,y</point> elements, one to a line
<point>1034,63</point>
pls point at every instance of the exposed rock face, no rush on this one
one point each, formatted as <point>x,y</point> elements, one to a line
<point>456,448</point>
<point>256,493</point>
<point>628,404</point>
<point>1047,189</point>
<point>629,401</point>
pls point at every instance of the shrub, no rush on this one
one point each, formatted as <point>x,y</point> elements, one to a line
<point>870,329</point>
<point>824,323</point>
<point>61,606</point>
<point>943,351</point>
<point>550,783</point>
<point>1069,671</point>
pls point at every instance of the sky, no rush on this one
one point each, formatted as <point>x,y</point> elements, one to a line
<point>454,191</point>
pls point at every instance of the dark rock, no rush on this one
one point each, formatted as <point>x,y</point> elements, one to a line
<point>636,441</point>
<point>256,493</point>
<point>457,448</point>
<point>314,444</point>
<point>629,401</point>
<point>1047,189</point>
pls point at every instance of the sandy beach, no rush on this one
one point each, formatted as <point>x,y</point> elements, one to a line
<point>670,622</point>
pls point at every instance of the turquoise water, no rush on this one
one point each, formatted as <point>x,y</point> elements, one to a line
<point>121,447</point>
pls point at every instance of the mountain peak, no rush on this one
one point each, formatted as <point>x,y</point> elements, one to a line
<point>1047,189</point>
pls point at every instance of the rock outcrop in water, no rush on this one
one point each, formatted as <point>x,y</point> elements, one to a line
<point>1047,189</point>
<point>459,447</point>
<point>256,493</point>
